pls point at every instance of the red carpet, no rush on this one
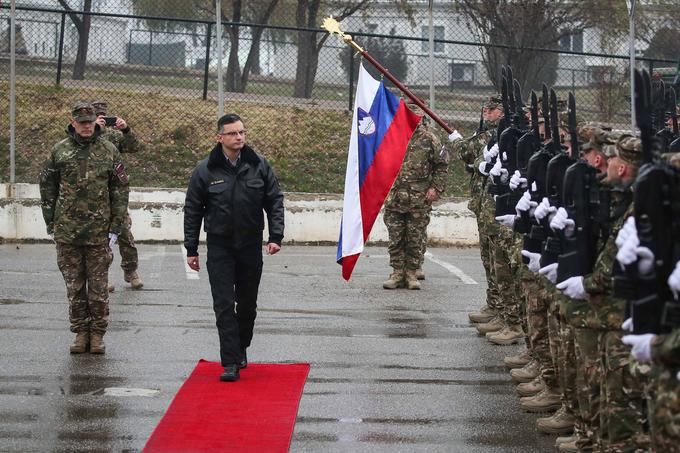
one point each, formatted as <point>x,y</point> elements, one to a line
<point>255,414</point>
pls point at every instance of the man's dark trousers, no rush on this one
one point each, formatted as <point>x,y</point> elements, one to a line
<point>234,280</point>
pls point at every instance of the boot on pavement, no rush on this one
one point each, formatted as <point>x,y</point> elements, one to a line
<point>561,422</point>
<point>420,275</point>
<point>527,373</point>
<point>411,280</point>
<point>568,447</point>
<point>484,314</point>
<point>508,335</point>
<point>80,343</point>
<point>531,388</point>
<point>396,280</point>
<point>545,401</point>
<point>495,325</point>
<point>97,345</point>
<point>564,439</point>
<point>133,279</point>
<point>517,361</point>
<point>110,287</point>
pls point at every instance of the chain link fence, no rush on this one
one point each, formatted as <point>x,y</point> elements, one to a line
<point>160,75</point>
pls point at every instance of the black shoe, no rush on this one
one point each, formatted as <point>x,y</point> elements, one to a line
<point>230,374</point>
<point>244,360</point>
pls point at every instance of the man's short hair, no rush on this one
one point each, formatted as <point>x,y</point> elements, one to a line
<point>227,119</point>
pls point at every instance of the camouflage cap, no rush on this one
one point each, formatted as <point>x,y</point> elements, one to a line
<point>493,101</point>
<point>83,112</point>
<point>629,148</point>
<point>100,107</point>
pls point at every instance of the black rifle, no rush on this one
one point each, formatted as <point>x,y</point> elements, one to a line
<point>527,145</point>
<point>667,135</point>
<point>581,201</point>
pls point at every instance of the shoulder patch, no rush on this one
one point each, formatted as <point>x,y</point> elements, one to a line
<point>119,170</point>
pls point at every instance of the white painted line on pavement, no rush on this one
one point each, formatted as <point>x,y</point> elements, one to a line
<point>191,274</point>
<point>453,269</point>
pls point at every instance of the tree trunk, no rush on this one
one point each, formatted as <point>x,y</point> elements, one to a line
<point>308,52</point>
<point>83,28</point>
<point>233,75</point>
<point>252,65</point>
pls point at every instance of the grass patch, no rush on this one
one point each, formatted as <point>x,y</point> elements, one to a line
<point>306,147</point>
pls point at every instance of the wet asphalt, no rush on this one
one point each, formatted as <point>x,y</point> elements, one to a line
<point>391,371</point>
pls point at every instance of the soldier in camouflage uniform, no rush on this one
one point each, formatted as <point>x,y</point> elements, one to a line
<point>469,151</point>
<point>84,194</point>
<point>620,403</point>
<point>421,181</point>
<point>126,141</point>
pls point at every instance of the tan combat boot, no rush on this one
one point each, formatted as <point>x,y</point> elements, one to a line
<point>495,325</point>
<point>484,314</point>
<point>568,447</point>
<point>411,280</point>
<point>97,345</point>
<point>561,422</point>
<point>395,281</point>
<point>564,439</point>
<point>420,275</point>
<point>531,388</point>
<point>80,343</point>
<point>517,361</point>
<point>110,288</point>
<point>133,279</point>
<point>508,335</point>
<point>527,373</point>
<point>545,401</point>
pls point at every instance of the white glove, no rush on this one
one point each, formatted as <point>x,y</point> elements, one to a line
<point>455,135</point>
<point>642,346</point>
<point>561,221</point>
<point>674,280</point>
<point>498,171</point>
<point>677,376</point>
<point>517,180</point>
<point>573,287</point>
<point>113,238</point>
<point>550,272</point>
<point>627,325</point>
<point>543,209</point>
<point>489,154</point>
<point>534,260</point>
<point>482,168</point>
<point>645,260</point>
<point>507,220</point>
<point>525,204</point>
<point>628,230</point>
<point>51,236</point>
<point>626,254</point>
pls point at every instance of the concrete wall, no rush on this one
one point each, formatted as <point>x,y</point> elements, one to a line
<point>157,216</point>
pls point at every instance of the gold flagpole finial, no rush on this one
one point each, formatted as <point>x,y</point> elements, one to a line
<point>333,27</point>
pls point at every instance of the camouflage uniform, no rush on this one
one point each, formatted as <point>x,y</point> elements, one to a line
<point>664,408</point>
<point>470,153</point>
<point>407,212</point>
<point>126,142</point>
<point>84,194</point>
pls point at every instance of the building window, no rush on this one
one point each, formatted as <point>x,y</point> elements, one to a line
<point>572,42</point>
<point>438,35</point>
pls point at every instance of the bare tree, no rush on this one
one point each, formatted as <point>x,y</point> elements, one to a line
<point>82,25</point>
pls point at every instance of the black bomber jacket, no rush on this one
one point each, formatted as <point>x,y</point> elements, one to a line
<point>230,200</point>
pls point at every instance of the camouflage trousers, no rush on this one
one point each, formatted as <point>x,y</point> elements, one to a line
<point>505,278</point>
<point>85,270</point>
<point>622,413</point>
<point>664,410</point>
<point>588,377</point>
<point>493,299</point>
<point>126,245</point>
<point>407,237</point>
<point>561,336</point>
<point>522,274</point>
<point>537,326</point>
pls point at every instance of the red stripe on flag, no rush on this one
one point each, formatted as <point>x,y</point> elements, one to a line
<point>348,263</point>
<point>386,165</point>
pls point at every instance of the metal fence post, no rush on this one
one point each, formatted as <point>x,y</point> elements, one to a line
<point>150,45</point>
<point>61,47</point>
<point>351,81</point>
<point>207,61</point>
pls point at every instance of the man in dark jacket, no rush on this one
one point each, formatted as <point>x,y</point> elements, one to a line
<point>228,191</point>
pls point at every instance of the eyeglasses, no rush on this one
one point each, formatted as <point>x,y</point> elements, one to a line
<point>233,133</point>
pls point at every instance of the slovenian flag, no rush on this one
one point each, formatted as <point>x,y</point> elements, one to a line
<point>382,126</point>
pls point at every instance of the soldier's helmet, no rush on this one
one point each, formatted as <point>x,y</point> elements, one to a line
<point>493,101</point>
<point>629,149</point>
<point>83,112</point>
<point>100,107</point>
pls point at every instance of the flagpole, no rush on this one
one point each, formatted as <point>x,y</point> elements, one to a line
<point>332,26</point>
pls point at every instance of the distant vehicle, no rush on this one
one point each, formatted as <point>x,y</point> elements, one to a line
<point>671,77</point>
